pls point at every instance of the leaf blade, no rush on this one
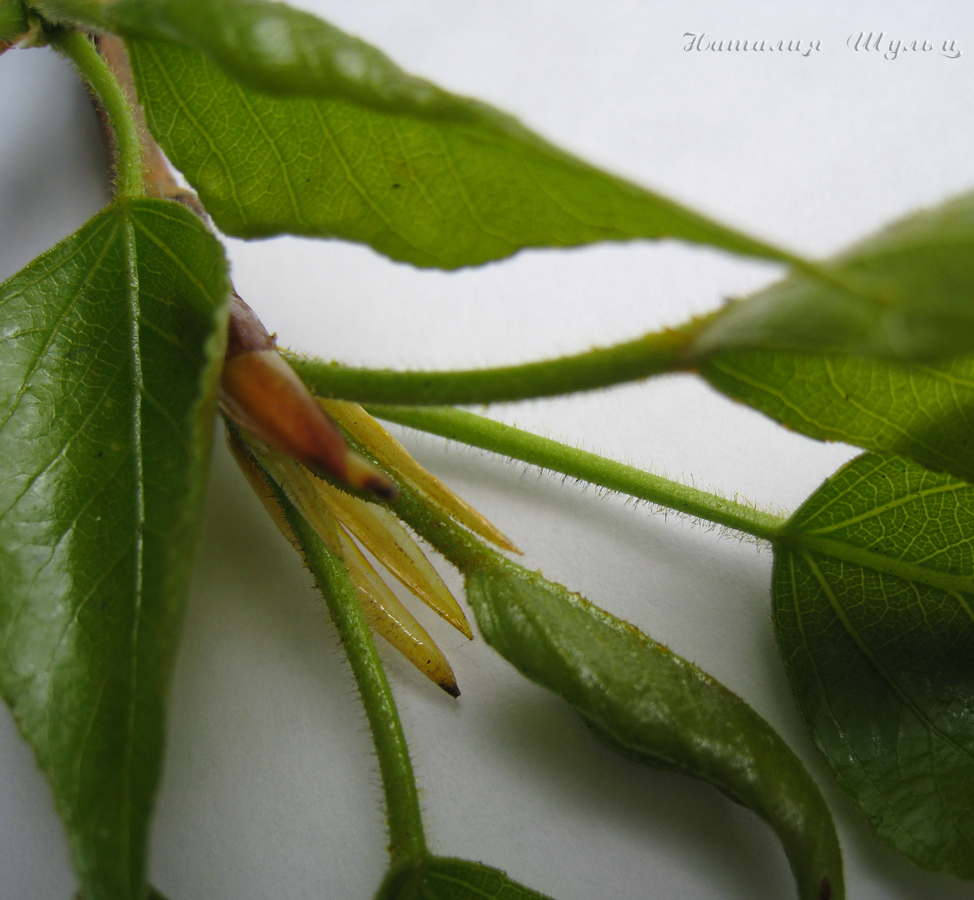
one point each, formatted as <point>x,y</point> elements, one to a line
<point>893,374</point>
<point>446,190</point>
<point>876,647</point>
<point>649,704</point>
<point>902,294</point>
<point>93,550</point>
<point>918,410</point>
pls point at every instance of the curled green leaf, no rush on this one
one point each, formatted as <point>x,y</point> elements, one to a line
<point>109,357</point>
<point>873,595</point>
<point>443,878</point>
<point>658,708</point>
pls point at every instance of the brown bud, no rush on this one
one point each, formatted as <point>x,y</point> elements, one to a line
<point>261,393</point>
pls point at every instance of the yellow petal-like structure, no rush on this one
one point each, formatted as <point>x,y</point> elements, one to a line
<point>383,610</point>
<point>381,533</point>
<point>367,431</point>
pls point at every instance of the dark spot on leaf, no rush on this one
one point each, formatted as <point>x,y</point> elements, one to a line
<point>99,454</point>
<point>396,184</point>
<point>825,889</point>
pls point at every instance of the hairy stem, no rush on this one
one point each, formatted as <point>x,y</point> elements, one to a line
<point>77,47</point>
<point>459,425</point>
<point>406,840</point>
<point>651,354</point>
<point>13,24</point>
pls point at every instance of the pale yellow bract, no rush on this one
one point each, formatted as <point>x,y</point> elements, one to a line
<point>341,519</point>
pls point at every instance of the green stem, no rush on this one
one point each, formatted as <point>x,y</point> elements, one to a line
<point>406,840</point>
<point>13,23</point>
<point>459,425</point>
<point>649,355</point>
<point>457,545</point>
<point>79,49</point>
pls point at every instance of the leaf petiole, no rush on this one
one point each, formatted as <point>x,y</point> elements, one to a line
<point>76,46</point>
<point>407,843</point>
<point>478,431</point>
<point>651,354</point>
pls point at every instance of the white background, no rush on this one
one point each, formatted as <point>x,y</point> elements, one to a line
<point>270,790</point>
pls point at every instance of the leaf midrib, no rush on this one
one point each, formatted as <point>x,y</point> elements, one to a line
<point>908,570</point>
<point>138,387</point>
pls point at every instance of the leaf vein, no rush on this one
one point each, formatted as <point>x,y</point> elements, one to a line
<point>360,188</point>
<point>203,133</point>
<point>54,331</point>
<point>276,151</point>
<point>874,663</point>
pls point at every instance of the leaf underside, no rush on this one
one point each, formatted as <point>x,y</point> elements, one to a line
<point>894,374</point>
<point>872,586</point>
<point>655,707</point>
<point>324,136</point>
<point>921,411</point>
<point>433,190</point>
<point>903,294</point>
<point>873,593</point>
<point>111,345</point>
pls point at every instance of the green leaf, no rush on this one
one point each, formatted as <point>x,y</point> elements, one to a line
<point>442,878</point>
<point>272,48</point>
<point>420,175</point>
<point>873,593</point>
<point>921,411</point>
<point>111,349</point>
<point>902,294</point>
<point>656,707</point>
